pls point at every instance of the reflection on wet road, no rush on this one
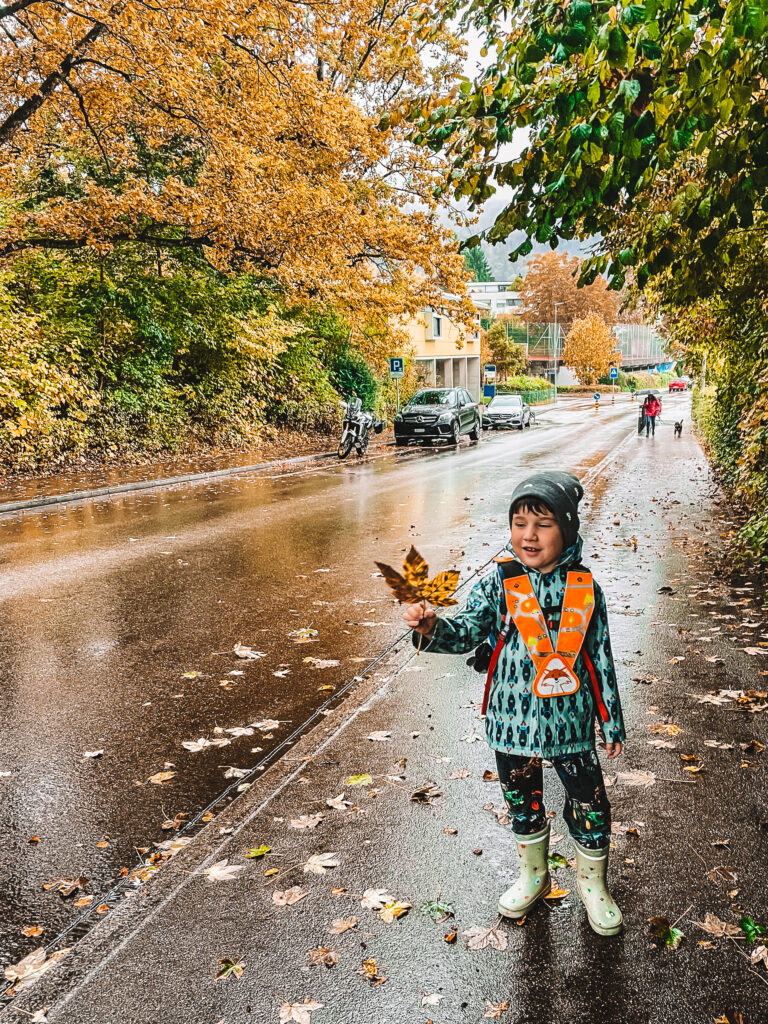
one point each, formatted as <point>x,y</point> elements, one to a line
<point>120,618</point>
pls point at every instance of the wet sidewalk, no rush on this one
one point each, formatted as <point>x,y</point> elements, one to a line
<point>388,804</point>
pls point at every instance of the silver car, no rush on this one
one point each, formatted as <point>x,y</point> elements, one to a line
<point>506,411</point>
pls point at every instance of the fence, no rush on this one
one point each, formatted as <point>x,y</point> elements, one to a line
<point>529,397</point>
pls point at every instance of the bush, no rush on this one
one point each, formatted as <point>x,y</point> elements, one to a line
<point>351,375</point>
<point>512,385</point>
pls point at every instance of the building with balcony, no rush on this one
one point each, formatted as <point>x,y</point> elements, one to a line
<point>447,355</point>
<point>495,296</point>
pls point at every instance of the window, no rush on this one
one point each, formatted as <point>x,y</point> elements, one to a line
<point>437,326</point>
<point>433,397</point>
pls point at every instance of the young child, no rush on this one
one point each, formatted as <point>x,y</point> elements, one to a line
<point>550,676</point>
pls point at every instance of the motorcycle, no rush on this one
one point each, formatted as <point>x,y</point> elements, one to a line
<point>356,428</point>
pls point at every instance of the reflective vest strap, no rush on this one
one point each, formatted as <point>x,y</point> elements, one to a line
<point>525,611</point>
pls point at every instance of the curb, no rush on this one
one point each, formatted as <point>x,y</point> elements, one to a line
<point>143,485</point>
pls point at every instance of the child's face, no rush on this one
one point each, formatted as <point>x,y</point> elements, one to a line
<point>537,539</point>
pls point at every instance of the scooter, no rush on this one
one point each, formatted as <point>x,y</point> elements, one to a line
<point>356,428</point>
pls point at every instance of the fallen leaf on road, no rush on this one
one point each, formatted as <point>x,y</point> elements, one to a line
<point>339,925</point>
<point>257,851</point>
<point>495,1009</point>
<point>322,956</point>
<point>248,653</point>
<point>67,886</point>
<point>318,863</point>
<point>321,662</point>
<point>267,725</point>
<point>374,899</point>
<point>379,737</point>
<point>26,972</point>
<point>160,778</point>
<point>92,753</point>
<point>303,636</point>
<point>31,931</point>
<point>719,744</point>
<point>84,901</point>
<point>390,911</point>
<point>307,820</point>
<point>339,803</point>
<point>222,871</point>
<point>460,773</point>
<point>478,938</point>
<point>288,897</point>
<point>759,955</point>
<point>427,794</point>
<point>755,650</point>
<point>230,969</point>
<point>722,873</point>
<point>370,972</point>
<point>431,999</point>
<point>714,926</point>
<point>661,930</point>
<point>659,744</point>
<point>489,776</point>
<point>196,745</point>
<point>299,1012</point>
<point>636,777</point>
<point>359,780</point>
<point>557,894</point>
<point>240,730</point>
<point>665,729</point>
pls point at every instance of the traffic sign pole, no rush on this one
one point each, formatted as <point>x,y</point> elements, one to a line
<point>396,371</point>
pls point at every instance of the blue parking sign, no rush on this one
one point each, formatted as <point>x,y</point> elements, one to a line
<point>396,366</point>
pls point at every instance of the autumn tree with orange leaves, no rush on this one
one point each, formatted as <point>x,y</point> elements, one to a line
<point>201,209</point>
<point>553,278</point>
<point>591,348</point>
<point>245,132</point>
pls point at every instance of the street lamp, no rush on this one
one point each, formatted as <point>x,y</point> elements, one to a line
<point>556,305</point>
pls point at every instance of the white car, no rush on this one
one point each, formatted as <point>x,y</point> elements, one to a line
<point>506,411</point>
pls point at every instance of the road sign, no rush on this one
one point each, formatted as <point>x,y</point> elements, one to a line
<point>489,391</point>
<point>396,367</point>
<point>489,370</point>
<point>614,374</point>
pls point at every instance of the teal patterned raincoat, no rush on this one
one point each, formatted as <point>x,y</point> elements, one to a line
<point>517,721</point>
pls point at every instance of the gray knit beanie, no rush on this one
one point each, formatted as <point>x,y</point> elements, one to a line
<point>560,492</point>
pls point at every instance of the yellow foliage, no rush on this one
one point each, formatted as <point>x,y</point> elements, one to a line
<point>590,349</point>
<point>249,132</point>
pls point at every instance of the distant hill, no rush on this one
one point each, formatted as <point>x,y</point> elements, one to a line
<point>497,256</point>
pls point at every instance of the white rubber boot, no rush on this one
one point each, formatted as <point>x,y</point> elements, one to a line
<point>591,871</point>
<point>534,881</point>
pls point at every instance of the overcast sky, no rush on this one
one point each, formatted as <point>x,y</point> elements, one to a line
<point>497,256</point>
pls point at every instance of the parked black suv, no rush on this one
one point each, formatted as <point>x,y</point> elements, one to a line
<point>442,414</point>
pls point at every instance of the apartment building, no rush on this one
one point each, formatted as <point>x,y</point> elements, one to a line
<point>446,353</point>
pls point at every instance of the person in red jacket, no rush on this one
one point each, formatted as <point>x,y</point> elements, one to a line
<point>651,408</point>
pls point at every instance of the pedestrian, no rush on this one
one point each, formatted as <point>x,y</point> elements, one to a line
<point>551,675</point>
<point>651,409</point>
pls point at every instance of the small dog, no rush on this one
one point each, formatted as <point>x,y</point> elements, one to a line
<point>678,428</point>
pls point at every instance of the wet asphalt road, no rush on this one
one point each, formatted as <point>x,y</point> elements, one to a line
<point>120,618</point>
<point>685,844</point>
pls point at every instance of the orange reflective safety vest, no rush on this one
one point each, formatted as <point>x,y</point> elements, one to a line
<point>555,674</point>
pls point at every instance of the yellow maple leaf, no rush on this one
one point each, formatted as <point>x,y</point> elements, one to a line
<point>414,585</point>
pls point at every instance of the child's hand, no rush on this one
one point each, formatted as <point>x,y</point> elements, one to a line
<point>420,618</point>
<point>612,750</point>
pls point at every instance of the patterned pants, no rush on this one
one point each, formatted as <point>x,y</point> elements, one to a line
<point>587,811</point>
